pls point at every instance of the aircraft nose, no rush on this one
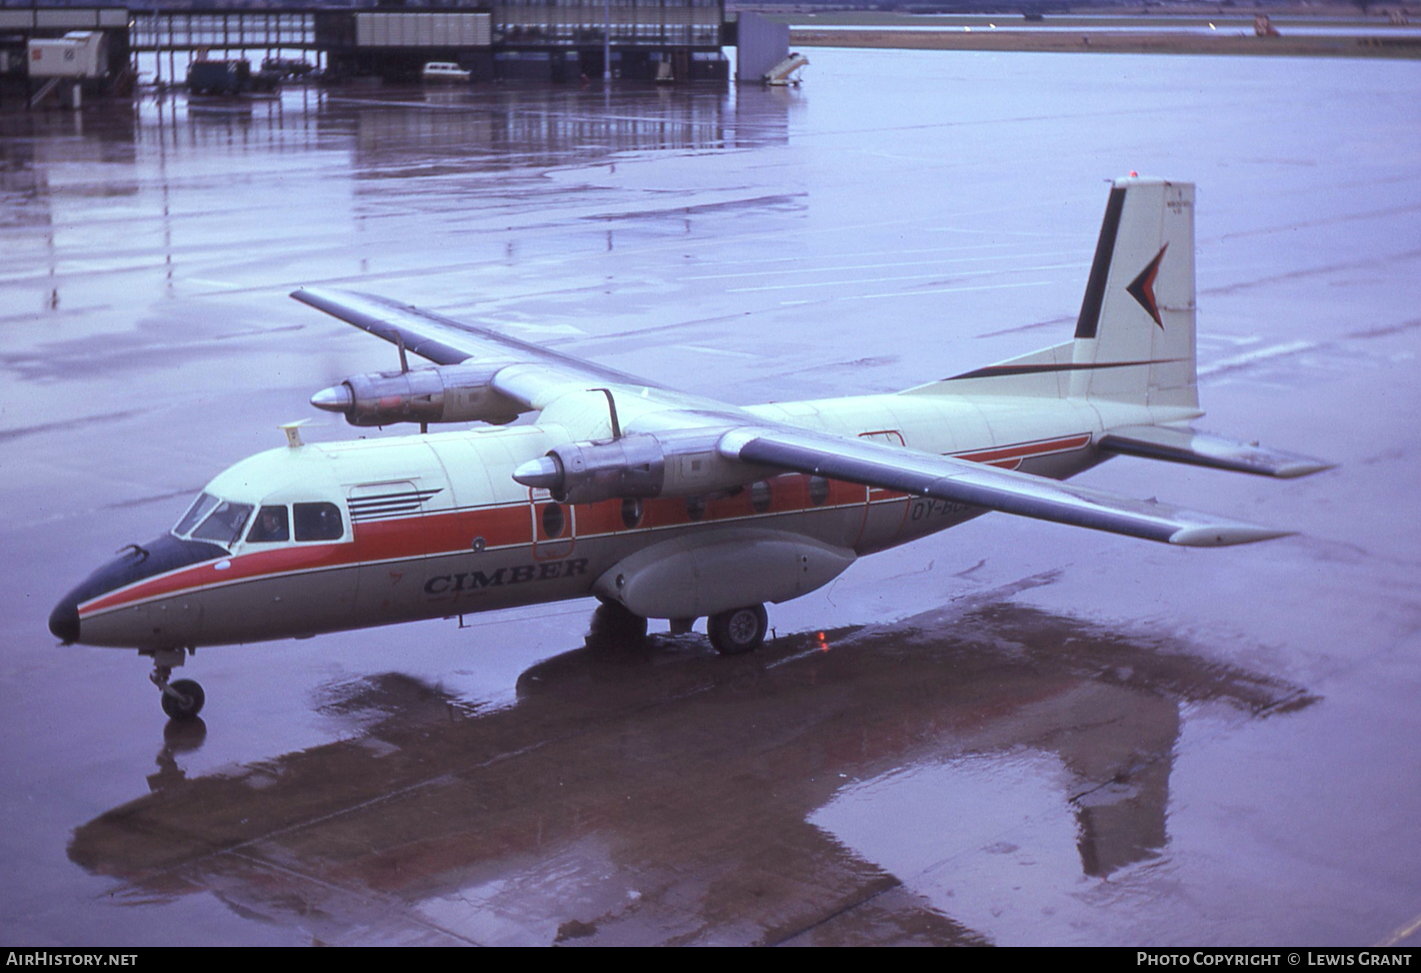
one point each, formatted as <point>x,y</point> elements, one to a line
<point>64,621</point>
<point>136,563</point>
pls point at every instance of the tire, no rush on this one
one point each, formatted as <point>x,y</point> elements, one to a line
<point>176,708</point>
<point>614,624</point>
<point>739,630</point>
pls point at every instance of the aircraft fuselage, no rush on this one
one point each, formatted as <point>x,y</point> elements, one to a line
<point>435,526</point>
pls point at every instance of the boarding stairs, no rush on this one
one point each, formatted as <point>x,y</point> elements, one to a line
<point>787,71</point>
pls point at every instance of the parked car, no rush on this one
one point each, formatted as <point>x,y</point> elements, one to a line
<point>444,71</point>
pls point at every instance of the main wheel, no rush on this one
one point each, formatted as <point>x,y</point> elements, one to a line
<point>613,622</point>
<point>191,703</point>
<point>738,630</point>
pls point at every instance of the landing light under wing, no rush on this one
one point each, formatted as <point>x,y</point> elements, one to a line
<point>960,481</point>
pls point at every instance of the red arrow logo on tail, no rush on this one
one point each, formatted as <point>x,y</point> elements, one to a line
<point>1142,288</point>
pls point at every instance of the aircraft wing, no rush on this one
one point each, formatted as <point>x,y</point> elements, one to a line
<point>961,481</point>
<point>534,376</point>
<point>445,341</point>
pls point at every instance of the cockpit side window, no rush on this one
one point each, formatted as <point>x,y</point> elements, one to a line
<point>200,508</point>
<point>271,525</point>
<point>318,522</point>
<point>224,525</point>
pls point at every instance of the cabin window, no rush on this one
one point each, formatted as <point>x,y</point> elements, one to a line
<point>224,525</point>
<point>818,490</point>
<point>695,507</point>
<point>271,525</point>
<point>760,496</point>
<point>318,522</point>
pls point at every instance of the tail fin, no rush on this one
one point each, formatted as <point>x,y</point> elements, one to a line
<point>1135,335</point>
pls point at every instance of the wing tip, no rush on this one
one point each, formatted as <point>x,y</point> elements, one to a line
<point>309,294</point>
<point>313,296</point>
<point>1225,535</point>
<point>1302,466</point>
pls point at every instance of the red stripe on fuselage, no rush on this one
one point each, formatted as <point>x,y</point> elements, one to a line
<point>445,532</point>
<point>1012,456</point>
<point>280,560</point>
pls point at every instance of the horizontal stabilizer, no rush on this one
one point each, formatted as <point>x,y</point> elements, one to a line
<point>1201,449</point>
<point>975,485</point>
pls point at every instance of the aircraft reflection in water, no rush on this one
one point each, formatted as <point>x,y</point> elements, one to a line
<point>659,503</point>
<point>433,822</point>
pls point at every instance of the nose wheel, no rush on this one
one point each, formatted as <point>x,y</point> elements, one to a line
<point>182,699</point>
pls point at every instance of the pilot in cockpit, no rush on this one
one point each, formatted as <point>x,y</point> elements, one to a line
<point>270,525</point>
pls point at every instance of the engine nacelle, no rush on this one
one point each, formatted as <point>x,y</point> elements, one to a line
<point>682,464</point>
<point>442,393</point>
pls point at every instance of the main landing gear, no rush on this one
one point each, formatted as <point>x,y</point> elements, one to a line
<point>613,624</point>
<point>182,699</point>
<point>739,630</point>
<point>733,632</point>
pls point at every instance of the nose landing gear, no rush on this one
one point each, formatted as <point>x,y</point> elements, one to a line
<point>183,699</point>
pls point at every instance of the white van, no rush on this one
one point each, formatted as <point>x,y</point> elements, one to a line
<point>444,71</point>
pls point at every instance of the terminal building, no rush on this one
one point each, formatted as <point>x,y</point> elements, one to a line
<point>544,40</point>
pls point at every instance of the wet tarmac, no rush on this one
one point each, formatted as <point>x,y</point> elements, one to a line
<point>1011,733</point>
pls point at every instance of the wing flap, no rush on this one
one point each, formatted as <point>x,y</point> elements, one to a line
<point>960,481</point>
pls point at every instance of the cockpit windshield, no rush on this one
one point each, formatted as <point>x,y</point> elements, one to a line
<point>217,520</point>
<point>200,508</point>
<point>224,525</point>
<point>214,519</point>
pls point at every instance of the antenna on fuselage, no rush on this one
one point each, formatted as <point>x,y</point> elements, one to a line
<point>293,432</point>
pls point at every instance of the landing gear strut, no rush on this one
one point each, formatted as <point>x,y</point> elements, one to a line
<point>739,630</point>
<point>183,699</point>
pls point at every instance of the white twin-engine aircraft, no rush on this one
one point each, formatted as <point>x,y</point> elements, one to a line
<point>659,503</point>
